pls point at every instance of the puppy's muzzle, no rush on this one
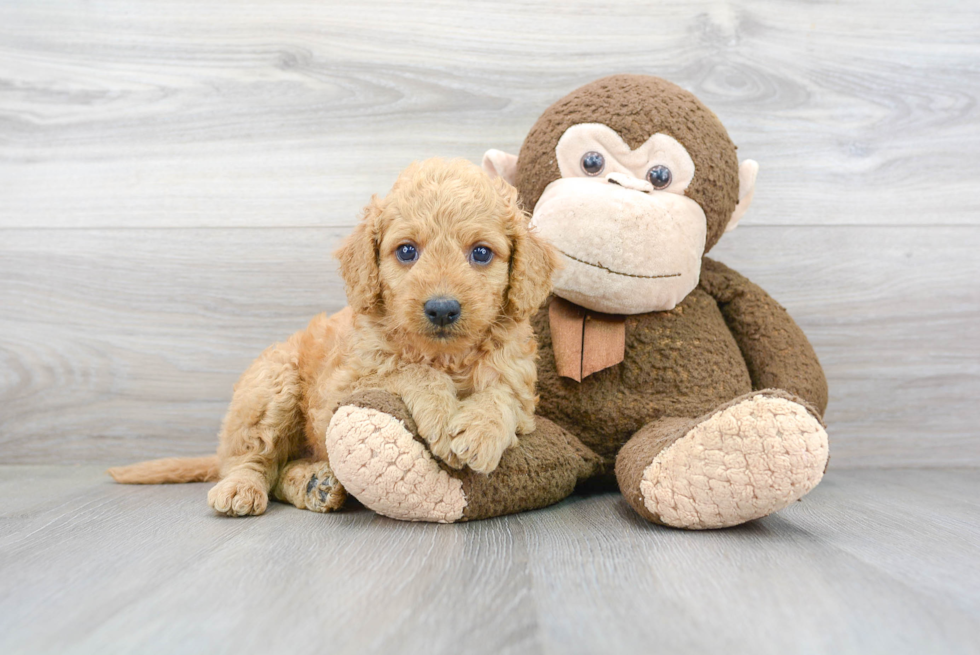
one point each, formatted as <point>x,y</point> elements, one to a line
<point>442,311</point>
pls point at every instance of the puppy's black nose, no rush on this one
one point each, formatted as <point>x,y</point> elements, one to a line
<point>442,311</point>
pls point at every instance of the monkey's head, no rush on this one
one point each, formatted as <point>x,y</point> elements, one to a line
<point>632,179</point>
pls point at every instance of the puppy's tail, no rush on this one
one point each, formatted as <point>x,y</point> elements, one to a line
<point>171,469</point>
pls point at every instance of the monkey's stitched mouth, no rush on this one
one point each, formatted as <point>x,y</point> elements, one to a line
<point>609,270</point>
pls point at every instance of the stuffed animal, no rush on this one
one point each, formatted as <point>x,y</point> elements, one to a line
<point>670,370</point>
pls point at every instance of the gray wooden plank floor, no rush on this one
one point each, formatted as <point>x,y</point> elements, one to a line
<point>873,561</point>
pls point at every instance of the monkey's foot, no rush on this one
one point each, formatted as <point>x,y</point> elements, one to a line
<point>377,455</point>
<point>388,470</point>
<point>746,460</point>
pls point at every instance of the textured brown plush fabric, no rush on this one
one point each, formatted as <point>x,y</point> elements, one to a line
<point>777,353</point>
<point>728,337</point>
<point>681,363</point>
<point>638,106</point>
<point>541,470</point>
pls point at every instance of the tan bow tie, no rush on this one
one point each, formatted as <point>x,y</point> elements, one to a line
<point>585,341</point>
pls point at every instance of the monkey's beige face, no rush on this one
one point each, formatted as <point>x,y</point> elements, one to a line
<point>630,240</point>
<point>632,225</point>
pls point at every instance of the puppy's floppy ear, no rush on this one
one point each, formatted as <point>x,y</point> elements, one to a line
<point>358,257</point>
<point>532,263</point>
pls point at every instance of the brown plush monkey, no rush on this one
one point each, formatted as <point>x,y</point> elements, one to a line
<point>670,369</point>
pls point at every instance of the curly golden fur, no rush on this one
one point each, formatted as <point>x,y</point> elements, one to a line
<point>469,384</point>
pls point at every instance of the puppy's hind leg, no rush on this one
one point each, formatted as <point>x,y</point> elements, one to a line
<point>310,484</point>
<point>261,428</point>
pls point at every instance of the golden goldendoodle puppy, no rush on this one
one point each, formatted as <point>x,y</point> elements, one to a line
<point>442,276</point>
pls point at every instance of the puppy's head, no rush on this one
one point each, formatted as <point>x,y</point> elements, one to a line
<point>444,256</point>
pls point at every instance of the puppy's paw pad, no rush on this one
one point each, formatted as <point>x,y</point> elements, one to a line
<point>324,493</point>
<point>237,497</point>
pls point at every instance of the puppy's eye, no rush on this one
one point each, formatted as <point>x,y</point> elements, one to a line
<point>406,253</point>
<point>481,255</point>
<point>659,176</point>
<point>593,163</point>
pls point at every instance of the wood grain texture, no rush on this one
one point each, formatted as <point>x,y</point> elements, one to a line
<point>230,112</point>
<point>871,561</point>
<point>174,175</point>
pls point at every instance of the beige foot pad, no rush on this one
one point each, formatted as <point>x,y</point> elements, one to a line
<point>742,463</point>
<point>388,471</point>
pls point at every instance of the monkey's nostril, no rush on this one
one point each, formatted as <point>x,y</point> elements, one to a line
<point>629,182</point>
<point>442,311</point>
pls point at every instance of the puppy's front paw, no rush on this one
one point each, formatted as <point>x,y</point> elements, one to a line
<point>434,428</point>
<point>238,497</point>
<point>479,440</point>
<point>441,447</point>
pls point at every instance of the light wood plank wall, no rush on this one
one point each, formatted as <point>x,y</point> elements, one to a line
<point>174,176</point>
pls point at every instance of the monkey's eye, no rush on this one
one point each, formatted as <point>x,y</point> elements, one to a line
<point>659,177</point>
<point>593,163</point>
<point>406,253</point>
<point>481,255</point>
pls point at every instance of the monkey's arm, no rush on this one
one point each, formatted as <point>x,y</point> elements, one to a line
<point>430,396</point>
<point>775,349</point>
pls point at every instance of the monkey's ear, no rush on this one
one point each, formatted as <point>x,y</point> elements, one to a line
<point>497,163</point>
<point>747,173</point>
<point>358,257</point>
